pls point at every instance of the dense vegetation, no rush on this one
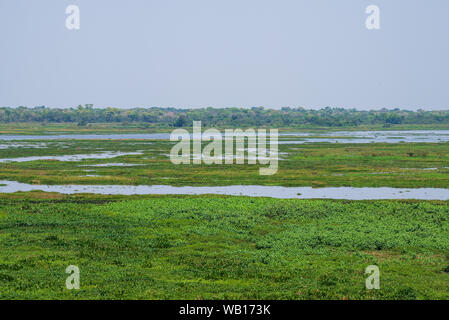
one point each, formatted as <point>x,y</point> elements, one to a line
<point>222,248</point>
<point>406,165</point>
<point>237,117</point>
<point>213,247</point>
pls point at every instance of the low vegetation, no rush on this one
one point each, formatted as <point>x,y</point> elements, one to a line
<point>221,248</point>
<point>216,247</point>
<point>406,165</point>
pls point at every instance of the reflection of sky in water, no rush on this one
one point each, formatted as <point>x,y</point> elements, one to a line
<point>370,136</point>
<point>23,145</point>
<point>110,165</point>
<point>73,157</point>
<point>252,191</point>
<point>347,136</point>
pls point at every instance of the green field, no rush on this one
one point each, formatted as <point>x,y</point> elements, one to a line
<point>39,128</point>
<point>221,248</point>
<point>405,165</point>
<point>216,247</point>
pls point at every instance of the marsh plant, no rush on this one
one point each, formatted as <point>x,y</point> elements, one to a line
<point>213,153</point>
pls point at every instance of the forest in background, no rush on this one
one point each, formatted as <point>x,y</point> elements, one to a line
<point>231,117</point>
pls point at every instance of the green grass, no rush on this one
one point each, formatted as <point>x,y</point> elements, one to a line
<point>213,247</point>
<point>38,128</point>
<point>222,248</point>
<point>314,164</point>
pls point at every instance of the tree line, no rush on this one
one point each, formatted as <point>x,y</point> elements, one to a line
<point>230,117</point>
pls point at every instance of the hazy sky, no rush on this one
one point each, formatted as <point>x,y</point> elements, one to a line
<point>196,53</point>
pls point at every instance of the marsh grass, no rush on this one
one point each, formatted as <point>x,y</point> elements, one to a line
<point>314,164</point>
<point>217,247</point>
<point>37,128</point>
<point>222,248</point>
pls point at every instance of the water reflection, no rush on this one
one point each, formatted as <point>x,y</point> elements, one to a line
<point>330,136</point>
<point>252,191</point>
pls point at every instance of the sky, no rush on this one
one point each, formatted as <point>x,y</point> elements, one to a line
<point>228,53</point>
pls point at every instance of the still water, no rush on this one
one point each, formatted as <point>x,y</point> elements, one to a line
<point>73,157</point>
<point>252,191</point>
<point>296,137</point>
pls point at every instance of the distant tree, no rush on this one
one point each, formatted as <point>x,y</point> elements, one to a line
<point>233,117</point>
<point>180,121</point>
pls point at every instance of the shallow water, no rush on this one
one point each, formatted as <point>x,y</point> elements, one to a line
<point>433,136</point>
<point>346,136</point>
<point>252,191</point>
<point>32,145</point>
<point>73,157</point>
<point>110,165</point>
